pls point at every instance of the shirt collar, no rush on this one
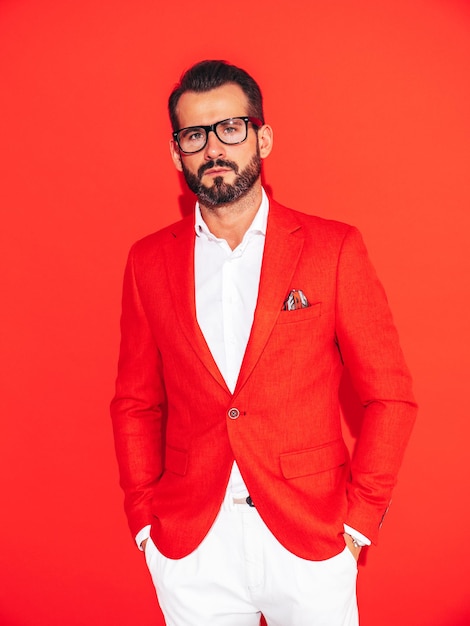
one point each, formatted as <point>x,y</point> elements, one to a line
<point>258,225</point>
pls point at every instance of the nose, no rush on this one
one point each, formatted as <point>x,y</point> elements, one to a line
<point>214,147</point>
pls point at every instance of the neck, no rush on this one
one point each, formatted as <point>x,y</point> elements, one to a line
<point>231,221</point>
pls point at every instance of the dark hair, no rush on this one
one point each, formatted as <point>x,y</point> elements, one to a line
<point>208,75</point>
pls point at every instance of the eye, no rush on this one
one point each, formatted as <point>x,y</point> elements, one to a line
<point>193,135</point>
<point>228,130</point>
<point>232,128</point>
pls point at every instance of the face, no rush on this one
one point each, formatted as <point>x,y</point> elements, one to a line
<point>220,173</point>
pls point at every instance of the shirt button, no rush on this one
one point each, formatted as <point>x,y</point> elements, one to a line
<point>233,413</point>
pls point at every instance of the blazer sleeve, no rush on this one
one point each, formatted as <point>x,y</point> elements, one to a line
<point>370,349</point>
<point>138,407</point>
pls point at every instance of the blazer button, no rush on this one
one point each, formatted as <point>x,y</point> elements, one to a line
<point>233,413</point>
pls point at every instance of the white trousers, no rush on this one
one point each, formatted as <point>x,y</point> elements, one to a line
<point>241,571</point>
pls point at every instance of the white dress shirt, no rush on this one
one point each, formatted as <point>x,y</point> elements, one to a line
<point>227,284</point>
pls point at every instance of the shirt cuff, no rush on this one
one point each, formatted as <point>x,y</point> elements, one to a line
<point>359,538</point>
<point>142,535</point>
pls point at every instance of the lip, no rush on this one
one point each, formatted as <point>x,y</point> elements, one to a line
<point>216,171</point>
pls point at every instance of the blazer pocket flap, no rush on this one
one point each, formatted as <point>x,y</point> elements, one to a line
<point>300,315</point>
<point>313,460</point>
<point>176,461</point>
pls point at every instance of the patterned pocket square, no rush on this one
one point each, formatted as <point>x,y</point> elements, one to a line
<point>295,300</point>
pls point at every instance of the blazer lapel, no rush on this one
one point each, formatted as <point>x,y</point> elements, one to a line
<point>282,249</point>
<point>180,267</point>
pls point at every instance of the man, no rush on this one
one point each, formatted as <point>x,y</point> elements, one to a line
<point>236,324</point>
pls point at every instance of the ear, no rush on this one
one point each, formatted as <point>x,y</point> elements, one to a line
<point>265,140</point>
<point>175,155</point>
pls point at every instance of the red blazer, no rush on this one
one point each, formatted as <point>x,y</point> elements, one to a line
<point>175,431</point>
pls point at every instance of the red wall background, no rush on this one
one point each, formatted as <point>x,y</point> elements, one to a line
<point>384,89</point>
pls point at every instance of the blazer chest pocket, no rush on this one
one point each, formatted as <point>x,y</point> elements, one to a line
<point>314,460</point>
<point>300,315</point>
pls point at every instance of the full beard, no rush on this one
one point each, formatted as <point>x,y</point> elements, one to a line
<point>221,193</point>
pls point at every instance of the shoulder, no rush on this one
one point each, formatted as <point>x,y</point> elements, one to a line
<point>159,240</point>
<point>310,226</point>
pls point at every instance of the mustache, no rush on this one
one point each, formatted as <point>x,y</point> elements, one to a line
<point>217,163</point>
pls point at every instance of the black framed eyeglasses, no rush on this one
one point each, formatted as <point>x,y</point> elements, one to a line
<point>230,131</point>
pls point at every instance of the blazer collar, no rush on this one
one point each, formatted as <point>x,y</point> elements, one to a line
<point>180,267</point>
<point>282,250</point>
